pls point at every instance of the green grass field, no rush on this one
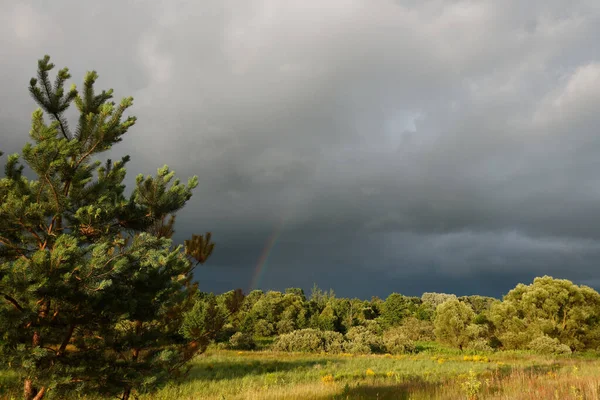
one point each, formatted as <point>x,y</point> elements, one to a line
<point>435,373</point>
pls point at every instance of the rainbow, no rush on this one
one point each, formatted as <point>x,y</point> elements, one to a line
<point>261,265</point>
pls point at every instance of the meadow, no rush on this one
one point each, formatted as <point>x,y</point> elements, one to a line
<point>434,373</point>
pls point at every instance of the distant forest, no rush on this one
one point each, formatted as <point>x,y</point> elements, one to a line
<point>548,316</point>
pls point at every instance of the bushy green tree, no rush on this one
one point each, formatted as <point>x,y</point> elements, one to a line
<point>435,299</point>
<point>321,297</point>
<point>362,341</point>
<point>266,313</point>
<point>369,311</point>
<point>328,320</point>
<point>297,291</point>
<point>295,313</point>
<point>417,329</point>
<point>479,304</point>
<point>396,308</point>
<point>556,308</point>
<point>93,292</point>
<point>246,319</point>
<point>397,342</point>
<point>453,323</point>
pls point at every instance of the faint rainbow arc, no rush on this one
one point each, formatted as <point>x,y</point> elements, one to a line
<point>262,263</point>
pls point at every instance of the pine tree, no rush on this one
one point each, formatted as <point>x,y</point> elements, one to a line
<point>94,296</point>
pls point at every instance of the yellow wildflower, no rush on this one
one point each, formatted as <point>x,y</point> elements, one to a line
<point>370,372</point>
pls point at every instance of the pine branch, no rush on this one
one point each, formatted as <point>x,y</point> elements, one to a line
<point>199,247</point>
<point>53,191</point>
<point>63,127</point>
<point>40,394</point>
<point>11,246</point>
<point>33,233</point>
<point>13,301</point>
<point>66,340</point>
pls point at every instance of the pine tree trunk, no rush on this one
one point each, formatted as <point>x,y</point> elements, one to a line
<point>28,390</point>
<point>30,393</point>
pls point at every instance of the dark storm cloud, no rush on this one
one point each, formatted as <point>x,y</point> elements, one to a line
<point>405,145</point>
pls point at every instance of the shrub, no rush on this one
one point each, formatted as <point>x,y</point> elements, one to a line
<point>225,333</point>
<point>263,328</point>
<point>416,329</point>
<point>547,345</point>
<point>396,342</point>
<point>479,345</point>
<point>310,341</point>
<point>362,341</point>
<point>285,326</point>
<point>373,326</point>
<point>515,340</point>
<point>242,341</point>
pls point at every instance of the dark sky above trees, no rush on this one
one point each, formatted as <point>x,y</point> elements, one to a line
<point>381,145</point>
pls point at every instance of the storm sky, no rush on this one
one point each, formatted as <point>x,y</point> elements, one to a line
<point>382,146</point>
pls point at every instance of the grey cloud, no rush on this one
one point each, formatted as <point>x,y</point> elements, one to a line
<point>408,138</point>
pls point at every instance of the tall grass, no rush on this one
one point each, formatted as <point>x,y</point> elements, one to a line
<point>435,373</point>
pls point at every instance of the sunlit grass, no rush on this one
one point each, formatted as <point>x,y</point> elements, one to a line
<point>267,375</point>
<point>435,373</point>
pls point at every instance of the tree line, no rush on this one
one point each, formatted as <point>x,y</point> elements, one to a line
<point>549,315</point>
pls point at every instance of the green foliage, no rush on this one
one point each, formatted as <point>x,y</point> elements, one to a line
<point>311,341</point>
<point>480,345</point>
<point>453,323</point>
<point>264,328</point>
<point>373,326</point>
<point>479,304</point>
<point>416,329</point>
<point>362,341</point>
<point>93,290</point>
<point>397,342</point>
<point>203,320</point>
<point>471,386</point>
<point>242,341</point>
<point>553,307</point>
<point>397,307</point>
<point>296,291</point>
<point>435,299</point>
<point>199,247</point>
<point>328,319</point>
<point>547,345</point>
<point>320,297</point>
